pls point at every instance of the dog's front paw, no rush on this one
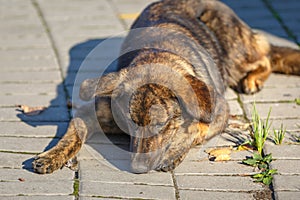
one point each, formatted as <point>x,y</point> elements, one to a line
<point>45,164</point>
<point>252,85</point>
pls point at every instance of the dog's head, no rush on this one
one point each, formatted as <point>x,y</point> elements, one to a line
<point>152,102</point>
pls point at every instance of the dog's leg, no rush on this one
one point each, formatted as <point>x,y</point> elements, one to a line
<point>85,123</point>
<point>66,149</point>
<point>255,79</point>
<point>285,60</point>
<point>280,59</point>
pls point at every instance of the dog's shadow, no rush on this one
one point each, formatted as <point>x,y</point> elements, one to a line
<point>89,59</point>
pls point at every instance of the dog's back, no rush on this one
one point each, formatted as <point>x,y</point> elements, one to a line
<point>170,27</point>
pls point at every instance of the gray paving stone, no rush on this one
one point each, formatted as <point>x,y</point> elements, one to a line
<point>31,77</point>
<point>235,108</point>
<point>44,188</point>
<point>78,18</point>
<point>97,198</point>
<point>32,100</point>
<point>96,170</point>
<point>207,195</point>
<point>273,95</point>
<point>34,36</point>
<point>218,183</point>
<point>289,152</point>
<point>282,81</point>
<point>287,195</point>
<point>230,94</point>
<point>16,144</point>
<point>30,53</point>
<point>38,129</point>
<point>292,125</point>
<point>32,89</point>
<point>213,168</point>
<point>287,167</point>
<point>279,110</point>
<point>226,139</point>
<point>55,10</point>
<point>30,197</point>
<point>16,160</point>
<point>104,189</point>
<point>12,175</point>
<point>26,65</point>
<point>286,183</point>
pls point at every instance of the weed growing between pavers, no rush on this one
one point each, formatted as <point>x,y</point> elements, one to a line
<point>259,134</point>
<point>76,186</point>
<point>260,131</point>
<point>278,135</point>
<point>262,163</point>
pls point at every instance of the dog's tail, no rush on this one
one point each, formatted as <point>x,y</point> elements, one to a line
<point>285,60</point>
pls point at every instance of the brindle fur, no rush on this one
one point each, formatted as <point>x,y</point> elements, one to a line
<point>221,51</point>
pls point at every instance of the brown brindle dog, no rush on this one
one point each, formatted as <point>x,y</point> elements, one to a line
<point>168,93</point>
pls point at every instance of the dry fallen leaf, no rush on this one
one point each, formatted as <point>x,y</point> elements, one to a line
<point>219,154</point>
<point>30,111</point>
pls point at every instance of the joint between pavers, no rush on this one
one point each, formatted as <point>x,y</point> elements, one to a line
<point>177,194</point>
<point>54,47</point>
<point>241,104</point>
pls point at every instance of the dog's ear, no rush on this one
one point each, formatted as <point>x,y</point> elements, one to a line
<point>102,86</point>
<point>205,99</point>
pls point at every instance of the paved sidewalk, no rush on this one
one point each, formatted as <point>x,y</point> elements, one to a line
<point>43,44</point>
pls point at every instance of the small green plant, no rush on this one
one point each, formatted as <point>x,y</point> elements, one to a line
<point>260,131</point>
<point>265,177</point>
<point>262,163</point>
<point>259,134</point>
<point>279,135</point>
<point>257,160</point>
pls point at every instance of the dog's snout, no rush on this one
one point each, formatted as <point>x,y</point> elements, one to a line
<point>145,162</point>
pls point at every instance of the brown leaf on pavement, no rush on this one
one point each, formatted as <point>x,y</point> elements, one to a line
<point>219,154</point>
<point>31,111</point>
